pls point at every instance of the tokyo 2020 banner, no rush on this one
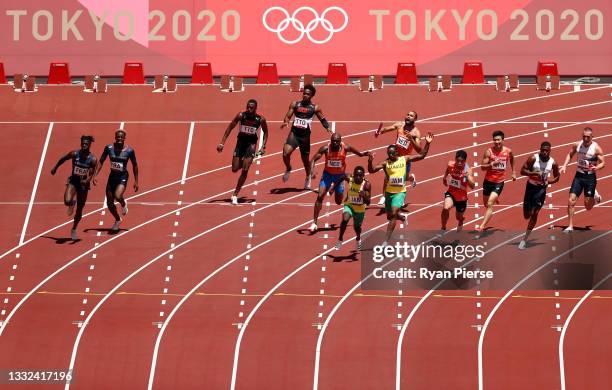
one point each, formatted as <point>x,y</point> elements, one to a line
<point>98,36</point>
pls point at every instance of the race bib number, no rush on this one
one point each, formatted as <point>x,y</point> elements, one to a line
<point>250,130</point>
<point>499,164</point>
<point>582,163</point>
<point>403,142</point>
<point>356,200</point>
<point>80,171</point>
<point>301,123</point>
<point>116,166</point>
<point>396,181</point>
<point>334,163</point>
<point>454,183</point>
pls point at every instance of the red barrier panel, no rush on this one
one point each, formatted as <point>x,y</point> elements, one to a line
<point>406,73</point>
<point>2,76</point>
<point>59,73</point>
<point>267,73</point>
<point>336,73</point>
<point>547,67</point>
<point>133,73</point>
<point>473,73</point>
<point>201,73</point>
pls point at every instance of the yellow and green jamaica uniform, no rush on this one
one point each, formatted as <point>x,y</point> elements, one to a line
<point>354,203</point>
<point>395,191</point>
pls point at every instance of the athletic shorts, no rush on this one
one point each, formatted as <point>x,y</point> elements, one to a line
<point>489,186</point>
<point>328,178</point>
<point>534,199</point>
<point>76,183</point>
<point>586,182</point>
<point>299,140</point>
<point>357,217</point>
<point>114,179</point>
<point>460,205</point>
<point>245,148</point>
<point>394,200</point>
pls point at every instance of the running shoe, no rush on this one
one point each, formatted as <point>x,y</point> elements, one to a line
<point>115,227</point>
<point>124,209</point>
<point>413,180</point>
<point>522,245</point>
<point>403,218</point>
<point>73,235</point>
<point>338,245</point>
<point>441,232</point>
<point>286,176</point>
<point>307,183</point>
<point>234,199</point>
<point>381,202</point>
<point>313,227</point>
<point>358,245</point>
<point>568,229</point>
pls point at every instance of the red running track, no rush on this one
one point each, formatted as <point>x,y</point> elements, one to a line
<point>196,262</point>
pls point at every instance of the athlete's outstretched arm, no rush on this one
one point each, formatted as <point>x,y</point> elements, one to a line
<point>371,167</point>
<point>228,130</point>
<point>62,160</point>
<point>386,129</point>
<point>428,139</point>
<point>568,158</point>
<point>322,119</point>
<point>288,115</point>
<point>264,130</point>
<point>322,150</point>
<point>132,158</point>
<point>349,148</point>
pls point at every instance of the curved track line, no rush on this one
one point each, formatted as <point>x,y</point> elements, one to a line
<point>565,326</point>
<point>50,276</point>
<point>505,297</point>
<point>426,296</point>
<point>125,280</point>
<point>278,153</point>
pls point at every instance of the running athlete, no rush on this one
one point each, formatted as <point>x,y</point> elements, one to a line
<point>458,177</point>
<point>590,160</point>
<point>246,144</point>
<point>83,168</point>
<point>495,162</point>
<point>334,172</point>
<point>119,154</point>
<point>537,168</point>
<point>357,198</point>
<point>299,136</point>
<point>408,140</point>
<point>396,169</point>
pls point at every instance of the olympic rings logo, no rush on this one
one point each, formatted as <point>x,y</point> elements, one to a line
<point>299,26</point>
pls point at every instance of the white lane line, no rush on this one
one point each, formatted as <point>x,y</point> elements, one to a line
<point>505,297</point>
<point>430,292</point>
<point>121,125</point>
<point>3,326</point>
<point>129,277</point>
<point>36,180</point>
<point>187,153</point>
<point>266,156</point>
<point>565,326</point>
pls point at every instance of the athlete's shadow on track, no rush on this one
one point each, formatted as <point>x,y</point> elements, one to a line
<point>576,228</point>
<point>106,230</point>
<point>63,240</point>
<point>286,190</point>
<point>332,227</point>
<point>350,258</point>
<point>241,200</point>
